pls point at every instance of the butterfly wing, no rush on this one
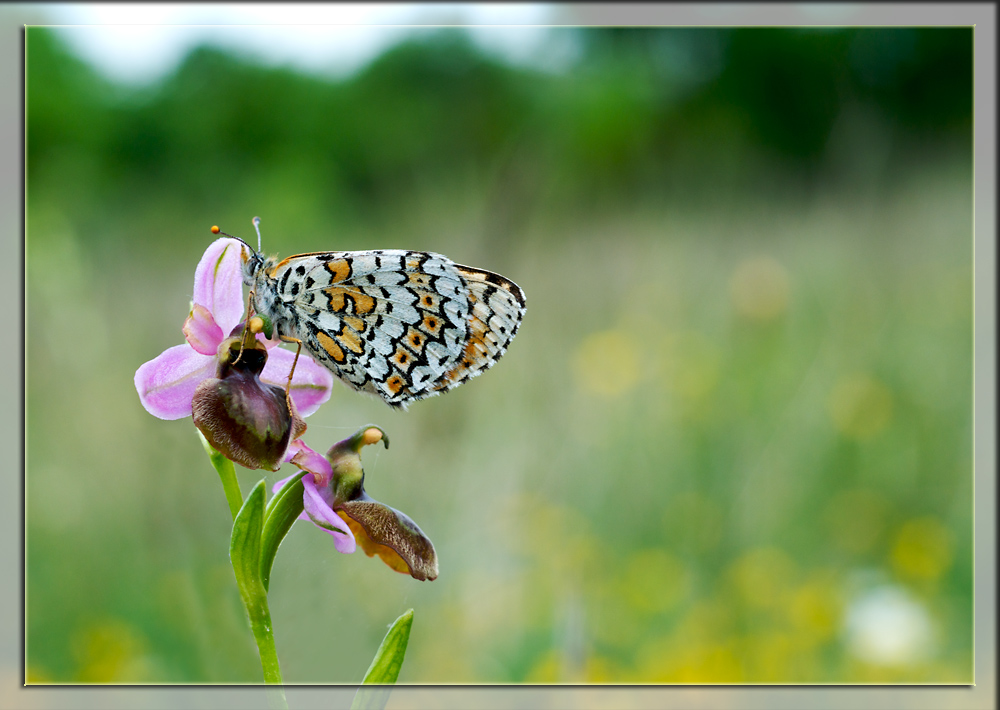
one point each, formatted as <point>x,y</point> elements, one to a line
<point>496,308</point>
<point>400,324</point>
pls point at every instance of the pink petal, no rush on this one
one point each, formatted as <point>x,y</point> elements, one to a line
<point>166,384</point>
<point>308,460</point>
<point>273,342</point>
<point>218,282</point>
<point>201,331</point>
<point>311,383</point>
<point>294,448</point>
<point>325,518</point>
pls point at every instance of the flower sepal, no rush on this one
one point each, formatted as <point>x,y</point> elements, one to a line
<point>166,384</point>
<point>345,461</point>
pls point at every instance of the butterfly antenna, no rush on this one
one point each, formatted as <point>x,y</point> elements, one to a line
<point>256,225</point>
<point>216,230</point>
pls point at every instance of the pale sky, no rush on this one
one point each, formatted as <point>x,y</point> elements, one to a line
<point>136,43</point>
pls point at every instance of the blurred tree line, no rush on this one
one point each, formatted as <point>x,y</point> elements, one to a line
<point>640,110</point>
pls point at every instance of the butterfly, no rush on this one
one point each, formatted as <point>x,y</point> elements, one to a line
<point>401,325</point>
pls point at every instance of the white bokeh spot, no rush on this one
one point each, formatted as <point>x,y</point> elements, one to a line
<point>888,626</point>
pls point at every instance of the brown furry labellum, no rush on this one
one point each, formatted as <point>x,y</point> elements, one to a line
<point>247,420</point>
<point>390,534</point>
<point>378,529</point>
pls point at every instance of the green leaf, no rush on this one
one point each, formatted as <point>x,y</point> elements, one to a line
<point>244,553</point>
<point>385,666</point>
<point>282,510</point>
<point>244,547</point>
<point>389,657</point>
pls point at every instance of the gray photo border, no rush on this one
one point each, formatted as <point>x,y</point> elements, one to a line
<point>982,695</point>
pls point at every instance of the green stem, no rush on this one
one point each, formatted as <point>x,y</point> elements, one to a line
<point>227,472</point>
<point>260,625</point>
<point>244,553</point>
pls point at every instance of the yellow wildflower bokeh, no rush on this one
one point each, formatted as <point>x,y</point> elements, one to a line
<point>856,519</point>
<point>606,363</point>
<point>922,549</point>
<point>759,288</point>
<point>860,406</point>
<point>110,651</point>
<point>761,576</point>
<point>655,581</point>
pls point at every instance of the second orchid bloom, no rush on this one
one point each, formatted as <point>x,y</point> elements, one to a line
<point>335,501</point>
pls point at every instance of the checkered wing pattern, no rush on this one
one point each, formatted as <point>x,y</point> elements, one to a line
<point>402,325</point>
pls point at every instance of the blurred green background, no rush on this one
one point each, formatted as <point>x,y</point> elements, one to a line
<point>731,442</point>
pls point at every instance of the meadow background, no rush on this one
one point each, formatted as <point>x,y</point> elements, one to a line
<point>732,441</point>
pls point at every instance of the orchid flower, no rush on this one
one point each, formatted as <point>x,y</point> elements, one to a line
<point>166,384</point>
<point>334,499</point>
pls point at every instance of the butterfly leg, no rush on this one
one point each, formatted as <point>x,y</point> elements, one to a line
<point>249,327</point>
<point>288,385</point>
<point>298,349</point>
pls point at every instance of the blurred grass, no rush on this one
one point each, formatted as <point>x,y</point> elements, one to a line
<point>738,411</point>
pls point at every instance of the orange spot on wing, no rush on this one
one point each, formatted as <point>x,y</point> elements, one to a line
<point>474,348</point>
<point>431,324</point>
<point>339,296</point>
<point>349,340</point>
<point>356,323</point>
<point>339,270</point>
<point>455,374</point>
<point>331,347</point>
<point>394,384</point>
<point>364,304</point>
<point>295,257</point>
<point>402,359</point>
